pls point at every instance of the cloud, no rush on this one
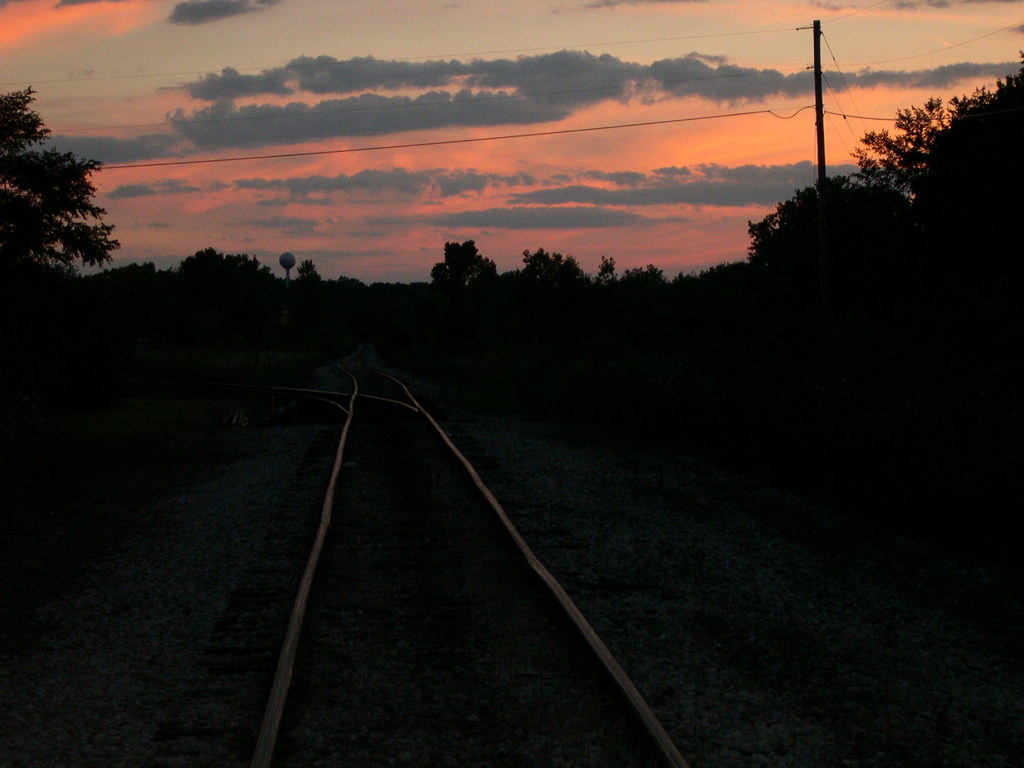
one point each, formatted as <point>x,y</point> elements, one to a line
<point>564,72</point>
<point>62,3</point>
<point>614,3</point>
<point>538,217</point>
<point>164,187</point>
<point>292,225</point>
<point>459,183</point>
<point>204,11</point>
<point>373,99</point>
<point>397,182</point>
<point>570,201</point>
<point>223,124</point>
<point>709,78</point>
<point>530,90</point>
<point>702,185</point>
<point>231,84</point>
<point>622,178</point>
<point>108,149</point>
<point>325,74</point>
<point>940,77</point>
<point>912,4</point>
<point>375,183</point>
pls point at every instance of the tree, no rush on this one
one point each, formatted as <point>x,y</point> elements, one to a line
<point>307,272</point>
<point>307,306</point>
<point>551,270</point>
<point>462,266</point>
<point>969,201</point>
<point>46,213</point>
<point>899,160</point>
<point>606,272</point>
<point>235,297</point>
<point>649,275</point>
<point>870,246</point>
<point>957,165</point>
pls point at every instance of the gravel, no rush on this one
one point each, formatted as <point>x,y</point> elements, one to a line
<point>109,673</point>
<point>765,631</point>
<point>762,627</point>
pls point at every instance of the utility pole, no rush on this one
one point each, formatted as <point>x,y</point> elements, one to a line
<point>819,122</point>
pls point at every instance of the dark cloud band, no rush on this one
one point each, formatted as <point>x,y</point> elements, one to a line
<point>372,96</point>
<point>204,11</point>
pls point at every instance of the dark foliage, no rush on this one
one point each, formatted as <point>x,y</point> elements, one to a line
<point>46,211</point>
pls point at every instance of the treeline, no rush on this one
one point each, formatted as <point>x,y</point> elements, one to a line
<point>77,341</point>
<point>906,400</point>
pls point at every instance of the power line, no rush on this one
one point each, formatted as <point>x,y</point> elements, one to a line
<point>846,115</point>
<point>856,11</point>
<point>1008,110</point>
<point>1015,25</point>
<point>846,83</point>
<point>420,104</point>
<point>445,142</point>
<point>517,95</point>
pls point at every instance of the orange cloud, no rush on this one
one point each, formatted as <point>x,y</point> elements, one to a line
<point>28,23</point>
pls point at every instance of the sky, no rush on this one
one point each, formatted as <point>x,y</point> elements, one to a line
<point>363,135</point>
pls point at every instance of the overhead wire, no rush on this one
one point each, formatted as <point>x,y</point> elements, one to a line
<point>842,113</point>
<point>856,11</point>
<point>412,104</point>
<point>297,65</point>
<point>842,75</point>
<point>846,115</point>
<point>978,115</point>
<point>1015,25</point>
<point>860,117</point>
<point>835,95</point>
<point>444,142</point>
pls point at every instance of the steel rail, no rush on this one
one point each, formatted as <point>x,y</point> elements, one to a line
<point>648,721</point>
<point>267,738</point>
<point>391,400</point>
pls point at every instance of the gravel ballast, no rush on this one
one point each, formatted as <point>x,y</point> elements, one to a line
<point>763,628</point>
<point>112,671</point>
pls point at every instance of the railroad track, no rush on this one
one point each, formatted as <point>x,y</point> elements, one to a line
<point>425,632</point>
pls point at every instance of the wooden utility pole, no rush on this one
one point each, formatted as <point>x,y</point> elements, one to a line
<point>819,122</point>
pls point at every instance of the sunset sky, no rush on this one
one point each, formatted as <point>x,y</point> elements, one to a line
<point>365,134</point>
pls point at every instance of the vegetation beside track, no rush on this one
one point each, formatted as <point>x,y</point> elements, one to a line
<point>73,484</point>
<point>50,461</point>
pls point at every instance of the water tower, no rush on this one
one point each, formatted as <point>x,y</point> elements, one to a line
<point>287,261</point>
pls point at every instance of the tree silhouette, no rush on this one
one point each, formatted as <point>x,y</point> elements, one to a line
<point>234,296</point>
<point>968,203</point>
<point>899,160</point>
<point>46,213</point>
<point>307,272</point>
<point>871,246</point>
<point>462,266</point>
<point>551,270</point>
